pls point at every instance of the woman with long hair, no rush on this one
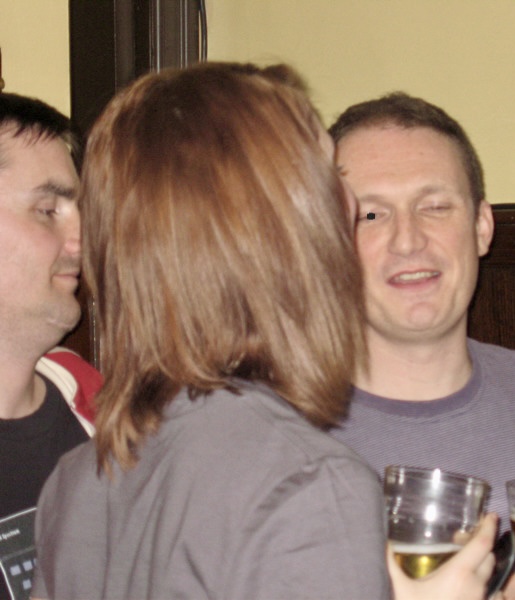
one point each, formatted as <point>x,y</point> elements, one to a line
<point>218,246</point>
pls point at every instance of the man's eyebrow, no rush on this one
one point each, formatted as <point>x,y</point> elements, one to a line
<point>57,189</point>
<point>372,198</point>
<point>422,192</point>
<point>435,188</point>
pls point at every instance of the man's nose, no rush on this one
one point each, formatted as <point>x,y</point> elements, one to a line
<point>407,234</point>
<point>72,237</point>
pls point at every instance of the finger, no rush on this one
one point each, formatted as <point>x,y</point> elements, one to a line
<point>486,568</point>
<point>476,551</point>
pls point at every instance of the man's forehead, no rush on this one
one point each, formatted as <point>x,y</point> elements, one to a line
<point>6,142</point>
<point>380,134</point>
<point>390,154</point>
<point>39,164</point>
<point>12,134</point>
<point>13,140</point>
<point>392,143</point>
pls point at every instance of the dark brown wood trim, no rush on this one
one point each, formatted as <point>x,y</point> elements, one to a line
<point>492,312</point>
<point>113,42</point>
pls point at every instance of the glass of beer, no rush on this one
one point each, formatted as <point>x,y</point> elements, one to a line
<point>431,513</point>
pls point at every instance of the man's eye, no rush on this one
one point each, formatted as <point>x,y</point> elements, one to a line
<point>47,212</point>
<point>436,208</point>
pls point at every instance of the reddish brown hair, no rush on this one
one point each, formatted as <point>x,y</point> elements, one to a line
<point>217,245</point>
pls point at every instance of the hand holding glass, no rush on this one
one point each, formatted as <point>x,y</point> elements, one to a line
<point>431,513</point>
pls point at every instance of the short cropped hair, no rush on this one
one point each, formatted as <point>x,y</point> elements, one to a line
<point>408,112</point>
<point>217,245</point>
<point>24,115</point>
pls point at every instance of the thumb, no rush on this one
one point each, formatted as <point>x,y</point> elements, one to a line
<point>476,554</point>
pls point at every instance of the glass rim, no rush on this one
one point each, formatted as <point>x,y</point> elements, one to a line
<point>428,473</point>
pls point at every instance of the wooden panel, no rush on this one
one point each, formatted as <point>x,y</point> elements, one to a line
<point>492,315</point>
<point>83,339</point>
<point>114,41</point>
<point>111,43</point>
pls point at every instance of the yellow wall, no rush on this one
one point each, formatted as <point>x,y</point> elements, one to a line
<point>459,54</point>
<point>34,42</point>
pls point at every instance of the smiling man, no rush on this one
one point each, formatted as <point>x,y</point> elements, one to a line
<point>431,397</point>
<point>45,405</point>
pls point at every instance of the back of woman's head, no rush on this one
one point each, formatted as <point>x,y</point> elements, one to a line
<point>217,245</point>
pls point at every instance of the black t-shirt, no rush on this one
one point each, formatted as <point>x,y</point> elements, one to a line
<point>29,450</point>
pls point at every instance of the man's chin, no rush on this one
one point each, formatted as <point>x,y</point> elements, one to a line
<point>409,320</point>
<point>65,321</point>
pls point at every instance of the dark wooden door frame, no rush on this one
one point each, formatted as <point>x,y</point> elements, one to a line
<point>113,42</point>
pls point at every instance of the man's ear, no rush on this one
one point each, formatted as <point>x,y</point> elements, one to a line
<point>484,227</point>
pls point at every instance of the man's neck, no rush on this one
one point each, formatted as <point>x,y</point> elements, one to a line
<point>416,371</point>
<point>23,390</point>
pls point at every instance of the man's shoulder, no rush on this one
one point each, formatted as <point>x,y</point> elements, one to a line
<point>492,354</point>
<point>78,381</point>
<point>72,362</point>
<point>88,378</point>
<point>495,366</point>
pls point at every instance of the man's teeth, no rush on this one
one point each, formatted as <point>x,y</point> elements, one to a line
<point>416,276</point>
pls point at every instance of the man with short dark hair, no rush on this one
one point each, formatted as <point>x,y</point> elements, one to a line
<point>431,397</point>
<point>45,406</point>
